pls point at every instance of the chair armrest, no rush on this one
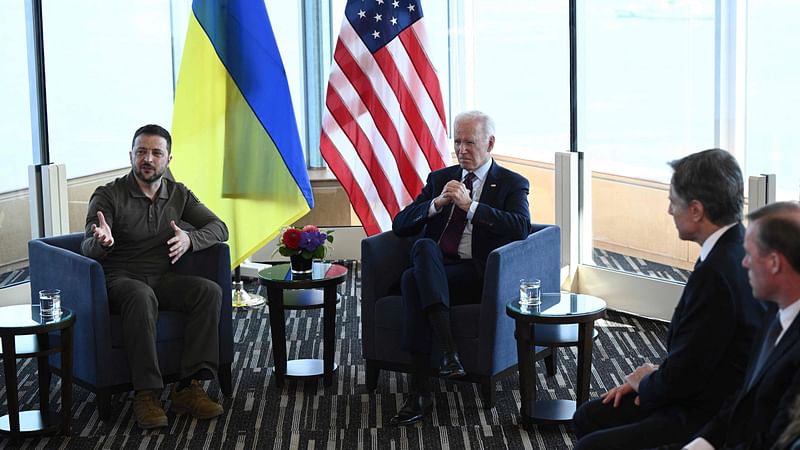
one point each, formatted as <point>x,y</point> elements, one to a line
<point>384,258</point>
<point>214,263</point>
<point>83,290</point>
<point>538,256</point>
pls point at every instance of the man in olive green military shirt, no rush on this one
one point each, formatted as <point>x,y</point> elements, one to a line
<point>132,230</point>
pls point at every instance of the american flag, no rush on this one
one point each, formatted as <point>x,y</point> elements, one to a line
<point>384,126</point>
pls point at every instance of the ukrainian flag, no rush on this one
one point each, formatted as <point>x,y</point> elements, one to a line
<point>235,138</point>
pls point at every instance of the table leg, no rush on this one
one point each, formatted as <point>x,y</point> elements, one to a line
<point>329,333</point>
<point>12,396</point>
<point>277,323</point>
<point>585,343</point>
<point>527,371</point>
<point>66,380</point>
<point>43,370</point>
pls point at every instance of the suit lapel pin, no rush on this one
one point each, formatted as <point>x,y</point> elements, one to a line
<point>493,185</point>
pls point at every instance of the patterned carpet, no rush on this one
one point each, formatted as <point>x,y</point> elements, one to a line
<point>305,415</point>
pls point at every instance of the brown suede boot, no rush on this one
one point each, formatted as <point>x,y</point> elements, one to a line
<point>147,410</point>
<point>194,400</point>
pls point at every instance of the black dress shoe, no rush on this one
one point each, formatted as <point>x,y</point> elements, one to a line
<point>414,409</point>
<point>451,366</point>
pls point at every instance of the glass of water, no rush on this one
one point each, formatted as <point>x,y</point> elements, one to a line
<point>530,292</point>
<point>50,303</point>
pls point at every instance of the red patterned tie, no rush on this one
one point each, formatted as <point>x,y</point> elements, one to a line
<point>451,236</point>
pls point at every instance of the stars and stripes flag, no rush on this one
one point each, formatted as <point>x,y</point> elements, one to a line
<point>383,126</point>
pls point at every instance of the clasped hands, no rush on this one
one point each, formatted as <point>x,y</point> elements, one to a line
<point>179,244</point>
<point>631,385</point>
<point>454,192</point>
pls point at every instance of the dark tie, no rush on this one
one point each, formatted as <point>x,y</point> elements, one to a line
<point>773,332</point>
<point>451,235</point>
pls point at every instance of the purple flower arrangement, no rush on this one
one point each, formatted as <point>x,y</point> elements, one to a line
<point>309,242</point>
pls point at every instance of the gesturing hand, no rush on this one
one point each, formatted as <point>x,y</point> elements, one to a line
<point>178,244</point>
<point>102,233</point>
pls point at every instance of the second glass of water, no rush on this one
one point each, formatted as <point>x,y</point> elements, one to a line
<point>50,303</point>
<point>530,292</point>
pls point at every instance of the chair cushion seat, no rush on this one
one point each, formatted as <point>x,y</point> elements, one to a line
<point>464,319</point>
<point>170,327</point>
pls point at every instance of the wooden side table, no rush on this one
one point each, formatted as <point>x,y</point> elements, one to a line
<point>24,334</point>
<point>289,291</point>
<point>561,320</point>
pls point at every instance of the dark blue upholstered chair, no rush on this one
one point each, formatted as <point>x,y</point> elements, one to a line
<point>483,332</point>
<point>99,361</point>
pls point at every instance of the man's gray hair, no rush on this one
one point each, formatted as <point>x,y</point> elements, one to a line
<point>713,178</point>
<point>485,119</point>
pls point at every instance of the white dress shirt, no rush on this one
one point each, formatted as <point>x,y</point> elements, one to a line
<point>711,241</point>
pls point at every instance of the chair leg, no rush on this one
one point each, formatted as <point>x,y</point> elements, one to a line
<point>488,392</point>
<point>225,381</point>
<point>372,376</point>
<point>103,399</point>
<point>550,361</point>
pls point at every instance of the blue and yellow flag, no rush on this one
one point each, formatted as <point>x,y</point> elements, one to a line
<point>235,138</point>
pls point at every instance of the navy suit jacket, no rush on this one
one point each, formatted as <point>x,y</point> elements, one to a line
<point>709,338</point>
<point>502,215</point>
<point>754,418</point>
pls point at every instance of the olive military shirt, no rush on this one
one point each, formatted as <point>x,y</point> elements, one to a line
<point>141,227</point>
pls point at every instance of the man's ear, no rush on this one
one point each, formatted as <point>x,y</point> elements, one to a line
<point>696,210</point>
<point>491,144</point>
<point>777,263</point>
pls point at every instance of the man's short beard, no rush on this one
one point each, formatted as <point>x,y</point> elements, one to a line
<point>156,176</point>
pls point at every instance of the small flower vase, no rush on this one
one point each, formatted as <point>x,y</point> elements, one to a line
<point>300,265</point>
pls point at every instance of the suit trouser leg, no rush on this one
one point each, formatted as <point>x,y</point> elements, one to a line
<point>430,282</point>
<point>200,300</point>
<point>600,426</point>
<point>136,302</point>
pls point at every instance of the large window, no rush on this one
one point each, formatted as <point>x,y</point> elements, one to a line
<point>15,137</point>
<point>15,114</point>
<point>109,71</point>
<point>647,96</point>
<point>773,71</point>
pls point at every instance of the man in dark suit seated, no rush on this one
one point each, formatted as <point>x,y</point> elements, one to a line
<point>464,211</point>
<point>711,330</point>
<point>754,417</point>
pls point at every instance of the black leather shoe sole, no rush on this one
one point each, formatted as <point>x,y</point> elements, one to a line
<point>412,411</point>
<point>409,420</point>
<point>451,373</point>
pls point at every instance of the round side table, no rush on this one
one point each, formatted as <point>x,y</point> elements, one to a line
<point>286,290</point>
<point>24,334</point>
<point>560,320</point>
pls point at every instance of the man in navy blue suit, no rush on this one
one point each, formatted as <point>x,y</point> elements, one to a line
<point>711,330</point>
<point>463,212</point>
<point>759,412</point>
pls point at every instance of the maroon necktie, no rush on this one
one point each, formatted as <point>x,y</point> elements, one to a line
<point>451,235</point>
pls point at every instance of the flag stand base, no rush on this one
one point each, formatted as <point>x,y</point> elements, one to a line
<point>244,299</point>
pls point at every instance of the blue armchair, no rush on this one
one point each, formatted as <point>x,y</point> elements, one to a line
<point>483,332</point>
<point>99,361</point>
